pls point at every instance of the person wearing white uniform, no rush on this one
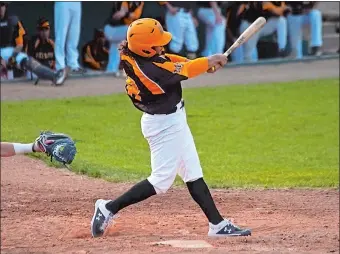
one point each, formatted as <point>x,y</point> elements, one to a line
<point>275,13</point>
<point>154,86</point>
<point>304,13</point>
<point>215,25</point>
<point>67,18</point>
<point>180,22</point>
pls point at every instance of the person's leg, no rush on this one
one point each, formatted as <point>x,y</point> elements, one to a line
<point>161,132</point>
<point>190,36</point>
<point>295,35</point>
<point>61,25</point>
<point>281,31</point>
<point>114,34</point>
<point>175,26</point>
<point>314,19</point>
<point>73,35</point>
<point>237,55</point>
<point>249,47</point>
<point>208,18</point>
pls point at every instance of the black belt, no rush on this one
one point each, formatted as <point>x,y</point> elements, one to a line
<point>173,110</point>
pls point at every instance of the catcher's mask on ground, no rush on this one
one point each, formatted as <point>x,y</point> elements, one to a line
<point>144,34</point>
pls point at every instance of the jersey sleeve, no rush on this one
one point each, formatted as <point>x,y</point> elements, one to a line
<point>19,34</point>
<point>173,72</point>
<point>176,58</point>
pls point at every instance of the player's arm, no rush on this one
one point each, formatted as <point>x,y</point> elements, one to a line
<point>89,59</point>
<point>172,73</point>
<point>11,149</point>
<point>19,34</point>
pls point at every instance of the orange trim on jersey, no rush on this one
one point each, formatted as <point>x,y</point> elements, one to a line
<point>188,69</point>
<point>176,58</point>
<point>19,41</point>
<point>152,86</point>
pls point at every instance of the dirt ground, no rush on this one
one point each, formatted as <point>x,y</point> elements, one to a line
<point>48,210</point>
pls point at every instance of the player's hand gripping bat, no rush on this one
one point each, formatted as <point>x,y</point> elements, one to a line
<point>249,32</point>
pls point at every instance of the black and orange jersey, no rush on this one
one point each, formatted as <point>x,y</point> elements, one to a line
<point>135,9</point>
<point>12,32</point>
<point>94,56</point>
<point>43,51</point>
<point>154,84</point>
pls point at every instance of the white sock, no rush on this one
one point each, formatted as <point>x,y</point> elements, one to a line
<point>22,148</point>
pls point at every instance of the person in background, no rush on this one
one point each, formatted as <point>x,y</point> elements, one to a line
<point>215,24</point>
<point>181,23</point>
<point>12,35</point>
<point>95,55</point>
<point>122,15</point>
<point>304,13</point>
<point>41,47</point>
<point>234,17</point>
<point>275,13</point>
<point>67,18</point>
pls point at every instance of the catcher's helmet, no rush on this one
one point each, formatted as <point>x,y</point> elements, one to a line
<point>144,34</point>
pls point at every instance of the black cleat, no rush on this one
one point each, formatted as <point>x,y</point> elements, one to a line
<point>101,218</point>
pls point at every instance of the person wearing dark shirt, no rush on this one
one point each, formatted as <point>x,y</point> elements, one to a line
<point>122,14</point>
<point>41,46</point>
<point>275,13</point>
<point>215,24</point>
<point>180,22</point>
<point>234,14</point>
<point>154,86</point>
<point>304,13</point>
<point>95,54</point>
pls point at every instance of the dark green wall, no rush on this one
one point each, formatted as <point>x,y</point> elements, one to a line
<point>94,15</point>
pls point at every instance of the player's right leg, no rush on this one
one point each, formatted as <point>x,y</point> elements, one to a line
<point>161,131</point>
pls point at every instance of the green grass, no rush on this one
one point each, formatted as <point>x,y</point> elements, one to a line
<point>271,135</point>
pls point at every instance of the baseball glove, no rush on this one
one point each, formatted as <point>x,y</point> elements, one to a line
<point>57,145</point>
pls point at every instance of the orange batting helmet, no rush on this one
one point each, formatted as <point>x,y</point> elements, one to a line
<point>144,34</point>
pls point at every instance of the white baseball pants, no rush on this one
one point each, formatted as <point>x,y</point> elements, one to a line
<point>173,149</point>
<point>67,16</point>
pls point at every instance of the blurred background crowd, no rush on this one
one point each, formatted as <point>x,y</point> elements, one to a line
<point>198,29</point>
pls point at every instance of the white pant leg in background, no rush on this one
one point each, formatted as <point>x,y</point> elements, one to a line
<point>190,33</point>
<point>249,47</point>
<point>172,149</point>
<point>314,19</point>
<point>175,25</point>
<point>115,35</point>
<point>282,31</point>
<point>7,52</point>
<point>62,17</point>
<point>73,35</point>
<point>215,33</point>
<point>295,35</point>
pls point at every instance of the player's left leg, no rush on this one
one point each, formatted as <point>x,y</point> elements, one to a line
<point>192,174</point>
